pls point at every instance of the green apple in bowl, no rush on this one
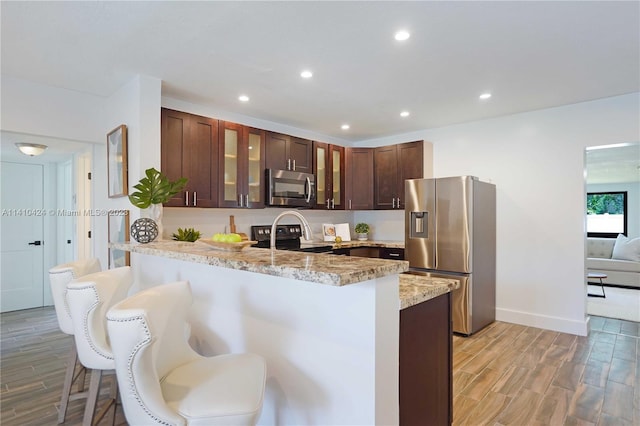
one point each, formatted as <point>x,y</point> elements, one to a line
<point>227,238</point>
<point>234,238</point>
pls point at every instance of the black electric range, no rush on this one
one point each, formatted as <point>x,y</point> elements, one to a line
<point>287,238</point>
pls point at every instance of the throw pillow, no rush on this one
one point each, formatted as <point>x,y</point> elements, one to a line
<point>626,249</point>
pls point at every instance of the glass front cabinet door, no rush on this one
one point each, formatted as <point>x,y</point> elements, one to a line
<point>329,171</point>
<point>241,166</point>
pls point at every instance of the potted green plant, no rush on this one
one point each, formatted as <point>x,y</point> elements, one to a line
<point>187,234</point>
<point>362,229</point>
<point>153,190</point>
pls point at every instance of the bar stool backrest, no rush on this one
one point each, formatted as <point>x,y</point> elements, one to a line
<point>149,340</point>
<point>89,299</point>
<point>59,277</point>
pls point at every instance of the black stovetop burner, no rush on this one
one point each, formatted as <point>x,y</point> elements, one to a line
<point>287,236</point>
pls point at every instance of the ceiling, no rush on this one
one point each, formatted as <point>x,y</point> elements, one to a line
<point>529,55</point>
<point>613,163</point>
<point>58,149</point>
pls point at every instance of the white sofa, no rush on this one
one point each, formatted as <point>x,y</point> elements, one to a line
<point>619,272</point>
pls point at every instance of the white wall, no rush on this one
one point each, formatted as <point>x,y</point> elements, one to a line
<point>210,221</point>
<point>37,109</point>
<point>633,202</point>
<point>136,104</point>
<point>537,161</point>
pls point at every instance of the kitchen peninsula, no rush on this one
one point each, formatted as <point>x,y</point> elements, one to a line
<point>327,325</point>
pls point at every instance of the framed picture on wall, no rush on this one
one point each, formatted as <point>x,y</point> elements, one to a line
<point>117,162</point>
<point>118,233</point>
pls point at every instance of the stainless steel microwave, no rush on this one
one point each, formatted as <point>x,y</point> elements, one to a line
<point>290,189</point>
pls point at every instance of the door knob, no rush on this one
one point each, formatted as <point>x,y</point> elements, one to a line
<point>35,243</point>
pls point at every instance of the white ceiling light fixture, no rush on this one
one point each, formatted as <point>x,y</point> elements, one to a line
<point>402,35</point>
<point>615,145</point>
<point>31,149</point>
<point>485,96</point>
<point>404,114</point>
<point>306,74</point>
<point>243,98</point>
<point>345,127</point>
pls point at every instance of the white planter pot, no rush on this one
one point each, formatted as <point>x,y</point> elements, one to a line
<point>363,237</point>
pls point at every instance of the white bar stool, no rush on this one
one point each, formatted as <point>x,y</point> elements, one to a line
<point>163,381</point>
<point>59,277</point>
<point>89,299</point>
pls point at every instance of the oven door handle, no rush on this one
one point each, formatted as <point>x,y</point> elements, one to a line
<point>308,183</point>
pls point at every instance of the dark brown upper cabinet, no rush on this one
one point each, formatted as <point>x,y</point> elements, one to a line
<point>284,152</point>
<point>359,179</point>
<point>394,164</point>
<point>189,148</point>
<point>241,171</point>
<point>329,169</point>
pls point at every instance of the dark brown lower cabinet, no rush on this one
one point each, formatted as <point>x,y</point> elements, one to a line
<point>426,363</point>
<point>376,252</point>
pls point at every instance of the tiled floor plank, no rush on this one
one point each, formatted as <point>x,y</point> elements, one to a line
<point>618,400</point>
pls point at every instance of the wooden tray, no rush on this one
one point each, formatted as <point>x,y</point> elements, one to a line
<point>227,246</point>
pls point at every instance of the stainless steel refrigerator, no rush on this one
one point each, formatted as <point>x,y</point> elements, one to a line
<point>450,231</point>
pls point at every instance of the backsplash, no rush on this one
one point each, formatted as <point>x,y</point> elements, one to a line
<point>385,225</point>
<point>211,221</point>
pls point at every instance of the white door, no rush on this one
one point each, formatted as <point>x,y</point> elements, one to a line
<point>22,222</point>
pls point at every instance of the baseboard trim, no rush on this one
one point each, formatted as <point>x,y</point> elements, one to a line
<point>562,325</point>
<point>630,287</point>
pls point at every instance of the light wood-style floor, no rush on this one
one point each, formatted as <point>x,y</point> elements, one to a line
<point>32,366</point>
<point>505,374</point>
<point>509,374</point>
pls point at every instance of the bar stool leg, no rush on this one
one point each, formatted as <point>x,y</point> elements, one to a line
<point>72,358</point>
<point>92,399</point>
<point>71,378</point>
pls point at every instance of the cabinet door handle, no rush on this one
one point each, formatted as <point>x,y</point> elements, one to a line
<point>195,199</point>
<point>35,243</point>
<point>288,163</point>
<point>394,254</point>
<point>186,198</point>
<point>327,204</point>
<point>350,205</point>
<point>294,165</point>
<point>246,200</point>
<point>393,203</point>
<point>398,204</point>
<point>241,200</point>
<point>333,203</point>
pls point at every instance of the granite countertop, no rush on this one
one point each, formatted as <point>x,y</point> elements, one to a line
<point>416,289</point>
<point>317,268</point>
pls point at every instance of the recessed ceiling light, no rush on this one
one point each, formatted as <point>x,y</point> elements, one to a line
<point>306,74</point>
<point>485,96</point>
<point>402,35</point>
<point>345,127</point>
<point>243,98</point>
<point>404,114</point>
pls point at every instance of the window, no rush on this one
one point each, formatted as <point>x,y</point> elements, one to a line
<point>606,214</point>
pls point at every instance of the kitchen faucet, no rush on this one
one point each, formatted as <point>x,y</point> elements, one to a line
<point>306,229</point>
